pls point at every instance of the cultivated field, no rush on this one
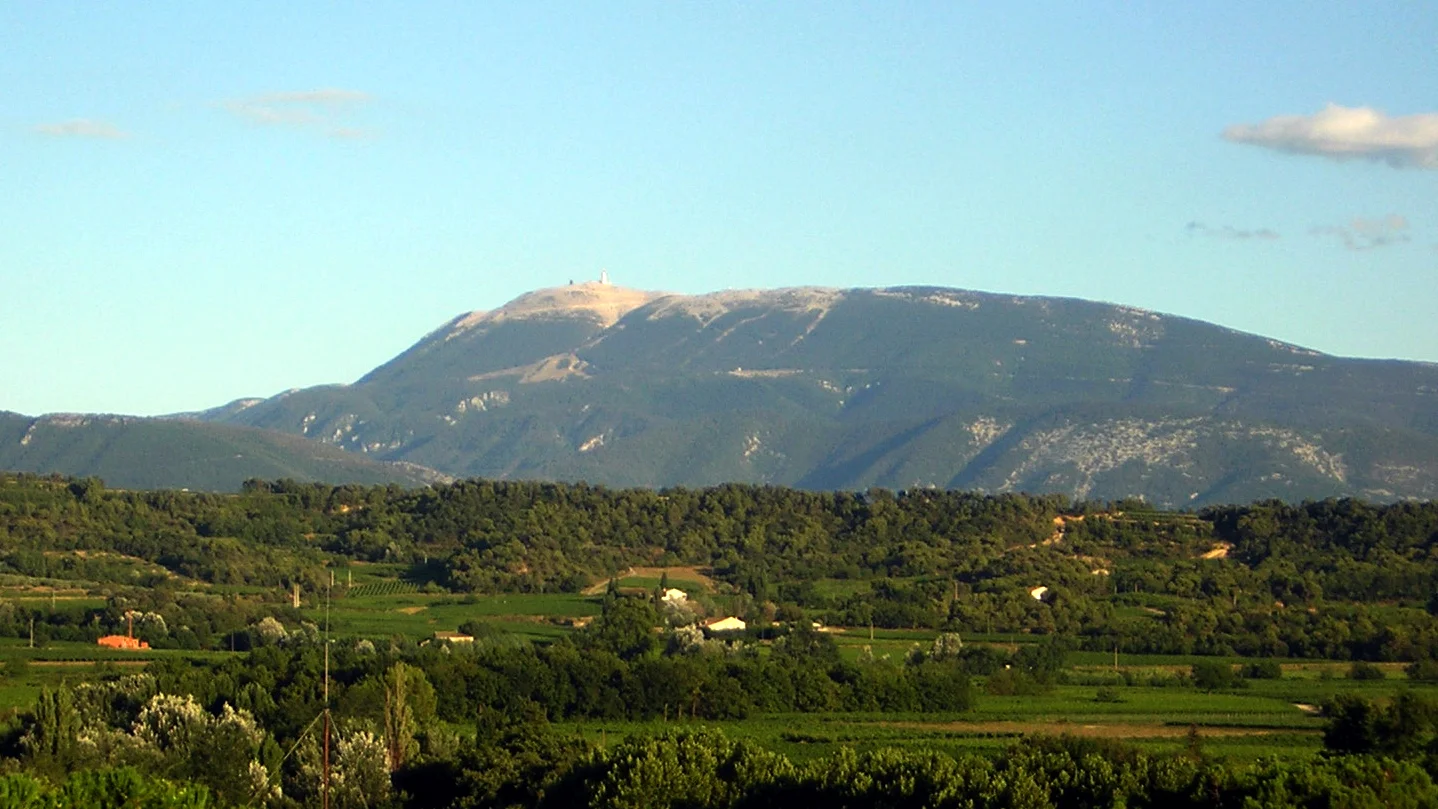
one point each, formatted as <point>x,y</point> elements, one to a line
<point>1156,711</point>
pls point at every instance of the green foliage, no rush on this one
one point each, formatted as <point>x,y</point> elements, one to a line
<point>922,558</point>
<point>409,704</point>
<point>1214,675</point>
<point>625,628</point>
<point>1363,670</point>
<point>677,770</point>
<point>1407,726</point>
<point>102,789</point>
<point>52,737</point>
<point>1262,670</point>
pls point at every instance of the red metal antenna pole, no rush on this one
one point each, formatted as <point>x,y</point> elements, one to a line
<point>326,800</point>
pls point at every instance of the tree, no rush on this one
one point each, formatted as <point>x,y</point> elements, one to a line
<point>1353,725</point>
<point>626,628</point>
<point>55,727</point>
<point>1213,675</point>
<point>409,704</point>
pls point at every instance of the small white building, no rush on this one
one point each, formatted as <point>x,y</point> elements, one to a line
<point>729,624</point>
<point>1037,593</point>
<point>674,598</point>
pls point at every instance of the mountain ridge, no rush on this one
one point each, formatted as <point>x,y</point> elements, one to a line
<point>898,386</point>
<point>830,388</point>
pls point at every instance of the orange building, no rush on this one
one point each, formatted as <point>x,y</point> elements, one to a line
<point>125,641</point>
<point>121,642</point>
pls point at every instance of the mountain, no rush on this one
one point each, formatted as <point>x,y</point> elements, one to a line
<point>899,387</point>
<point>140,453</point>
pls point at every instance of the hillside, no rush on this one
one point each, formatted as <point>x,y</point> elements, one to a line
<point>900,387</point>
<point>138,453</point>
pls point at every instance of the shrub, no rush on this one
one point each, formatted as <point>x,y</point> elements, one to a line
<point>1014,683</point>
<point>1363,670</point>
<point>1425,670</point>
<point>1263,670</point>
<point>1212,675</point>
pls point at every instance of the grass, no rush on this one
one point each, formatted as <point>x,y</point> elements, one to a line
<point>24,671</point>
<point>803,737</point>
<point>648,583</point>
<point>420,615</point>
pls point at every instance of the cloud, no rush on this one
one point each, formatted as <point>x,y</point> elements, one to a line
<point>82,128</point>
<point>1338,132</point>
<point>321,110</point>
<point>1230,232</point>
<point>1367,234</point>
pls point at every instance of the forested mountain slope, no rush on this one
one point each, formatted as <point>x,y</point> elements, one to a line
<point>138,453</point>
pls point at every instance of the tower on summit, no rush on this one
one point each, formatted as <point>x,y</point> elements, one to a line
<point>604,277</point>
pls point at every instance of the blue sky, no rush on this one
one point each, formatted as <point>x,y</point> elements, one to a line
<point>207,201</point>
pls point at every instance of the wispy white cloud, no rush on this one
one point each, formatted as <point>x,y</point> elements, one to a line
<point>82,128</point>
<point>1230,232</point>
<point>1338,132</point>
<point>321,110</point>
<point>1367,234</point>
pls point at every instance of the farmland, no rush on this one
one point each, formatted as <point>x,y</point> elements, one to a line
<point>484,620</point>
<point>1145,700</point>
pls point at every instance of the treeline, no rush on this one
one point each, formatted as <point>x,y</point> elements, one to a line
<point>512,537</point>
<point>1339,579</point>
<point>126,743</point>
<point>706,769</point>
<point>618,667</point>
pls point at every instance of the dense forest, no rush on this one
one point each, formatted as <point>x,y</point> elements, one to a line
<point>1336,579</point>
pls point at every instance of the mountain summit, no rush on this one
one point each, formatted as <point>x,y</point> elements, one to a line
<point>897,387</point>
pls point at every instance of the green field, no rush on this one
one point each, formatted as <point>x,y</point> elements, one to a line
<point>1157,712</point>
<point>1228,724</point>
<point>1264,719</point>
<point>419,615</point>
